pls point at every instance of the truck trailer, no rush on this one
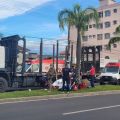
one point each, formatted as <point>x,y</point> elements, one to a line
<point>13,66</point>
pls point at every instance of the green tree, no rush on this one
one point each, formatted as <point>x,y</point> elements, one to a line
<point>80,18</point>
<point>116,38</point>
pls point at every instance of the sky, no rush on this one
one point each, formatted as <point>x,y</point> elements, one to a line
<point>36,18</point>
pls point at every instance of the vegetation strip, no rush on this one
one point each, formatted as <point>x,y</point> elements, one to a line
<point>38,93</point>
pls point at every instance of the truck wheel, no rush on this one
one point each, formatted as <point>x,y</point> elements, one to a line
<point>3,85</point>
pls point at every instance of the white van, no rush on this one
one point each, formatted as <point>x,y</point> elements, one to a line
<point>111,73</point>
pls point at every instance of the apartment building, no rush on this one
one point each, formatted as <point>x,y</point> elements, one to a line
<point>109,13</point>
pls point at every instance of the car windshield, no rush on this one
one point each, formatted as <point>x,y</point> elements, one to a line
<point>112,69</point>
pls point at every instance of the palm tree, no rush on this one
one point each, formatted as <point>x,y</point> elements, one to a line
<point>115,39</point>
<point>80,19</point>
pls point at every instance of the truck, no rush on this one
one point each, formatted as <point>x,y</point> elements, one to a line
<point>110,74</point>
<point>15,72</point>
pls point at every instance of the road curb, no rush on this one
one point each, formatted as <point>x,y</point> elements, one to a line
<point>59,96</point>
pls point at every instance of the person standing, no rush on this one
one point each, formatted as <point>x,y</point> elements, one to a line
<point>92,76</point>
<point>66,78</point>
<point>51,75</point>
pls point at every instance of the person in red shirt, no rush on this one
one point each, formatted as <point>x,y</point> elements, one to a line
<point>92,76</point>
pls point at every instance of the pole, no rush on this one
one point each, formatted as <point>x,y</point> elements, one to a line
<point>53,55</point>
<point>57,53</point>
<point>71,55</point>
<point>66,52</point>
<point>40,57</point>
<point>24,58</point>
<point>24,55</point>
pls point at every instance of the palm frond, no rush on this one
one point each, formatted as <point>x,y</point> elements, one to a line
<point>63,18</point>
<point>117,31</point>
<point>113,40</point>
<point>91,14</point>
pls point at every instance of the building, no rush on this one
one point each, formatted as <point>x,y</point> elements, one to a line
<point>109,13</point>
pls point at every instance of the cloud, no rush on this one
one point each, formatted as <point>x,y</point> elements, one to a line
<point>10,8</point>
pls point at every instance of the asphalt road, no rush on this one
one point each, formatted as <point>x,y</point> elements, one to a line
<point>105,107</point>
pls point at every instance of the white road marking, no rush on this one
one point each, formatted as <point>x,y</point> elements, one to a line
<point>94,109</point>
<point>59,98</point>
<point>22,101</point>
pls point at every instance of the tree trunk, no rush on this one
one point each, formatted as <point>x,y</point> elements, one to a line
<point>78,56</point>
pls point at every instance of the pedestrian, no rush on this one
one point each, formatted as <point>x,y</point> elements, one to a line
<point>92,76</point>
<point>51,74</point>
<point>66,78</point>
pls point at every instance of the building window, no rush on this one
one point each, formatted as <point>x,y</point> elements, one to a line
<point>94,25</point>
<point>114,22</point>
<point>94,36</point>
<point>100,25</point>
<point>90,26</point>
<point>107,13</point>
<point>107,24</point>
<point>107,35</point>
<point>115,10</point>
<point>100,14</point>
<point>99,36</point>
<point>90,36</point>
<point>85,38</point>
<point>114,45</point>
<point>106,47</point>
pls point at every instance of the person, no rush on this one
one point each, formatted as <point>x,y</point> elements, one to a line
<point>92,76</point>
<point>73,75</point>
<point>66,78</point>
<point>51,75</point>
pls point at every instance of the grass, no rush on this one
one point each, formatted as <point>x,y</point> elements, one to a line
<point>27,93</point>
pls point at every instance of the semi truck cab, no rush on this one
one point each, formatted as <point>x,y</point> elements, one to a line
<point>111,73</point>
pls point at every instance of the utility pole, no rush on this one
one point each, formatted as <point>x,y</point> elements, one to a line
<point>57,54</point>
<point>40,57</point>
<point>71,62</point>
<point>53,54</point>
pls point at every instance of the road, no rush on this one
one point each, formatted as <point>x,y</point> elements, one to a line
<point>105,107</point>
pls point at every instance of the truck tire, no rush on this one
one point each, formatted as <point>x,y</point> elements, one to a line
<point>3,84</point>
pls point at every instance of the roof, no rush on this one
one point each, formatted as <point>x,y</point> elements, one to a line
<point>108,6</point>
<point>62,53</point>
<point>115,64</point>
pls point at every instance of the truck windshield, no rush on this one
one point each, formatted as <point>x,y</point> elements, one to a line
<point>112,69</point>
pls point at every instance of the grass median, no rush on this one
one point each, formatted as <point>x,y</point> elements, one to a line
<point>27,93</point>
